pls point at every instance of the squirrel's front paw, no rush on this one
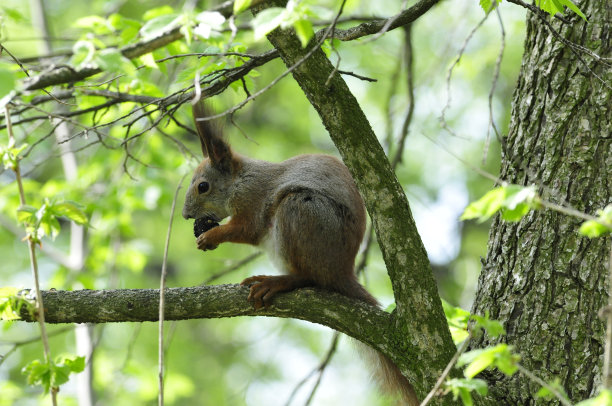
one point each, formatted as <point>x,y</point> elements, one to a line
<point>205,244</point>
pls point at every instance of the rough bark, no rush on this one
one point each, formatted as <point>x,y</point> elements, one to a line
<point>420,327</point>
<point>543,280</point>
<point>349,316</point>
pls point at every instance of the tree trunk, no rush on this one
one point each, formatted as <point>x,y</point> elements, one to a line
<point>542,279</point>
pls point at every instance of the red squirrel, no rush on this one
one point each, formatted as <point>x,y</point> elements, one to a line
<point>306,212</point>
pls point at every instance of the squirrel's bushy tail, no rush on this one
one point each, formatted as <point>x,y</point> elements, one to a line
<point>386,373</point>
<point>388,376</point>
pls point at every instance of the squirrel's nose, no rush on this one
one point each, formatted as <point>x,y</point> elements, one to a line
<point>186,214</point>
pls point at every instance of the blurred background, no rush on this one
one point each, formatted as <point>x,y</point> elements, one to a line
<point>245,361</point>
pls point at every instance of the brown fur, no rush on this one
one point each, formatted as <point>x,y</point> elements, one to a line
<point>306,212</point>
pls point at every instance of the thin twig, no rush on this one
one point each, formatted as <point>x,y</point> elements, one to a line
<point>365,78</point>
<point>162,296</point>
<point>40,309</point>
<point>323,366</point>
<point>573,47</point>
<point>397,159</point>
<point>544,384</point>
<point>563,209</point>
<point>443,122</point>
<point>17,344</point>
<point>538,12</point>
<point>446,371</point>
<point>500,56</point>
<point>320,369</point>
<point>387,24</point>
<point>232,268</point>
<point>312,50</point>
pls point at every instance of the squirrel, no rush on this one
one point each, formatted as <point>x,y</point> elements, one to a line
<point>305,212</point>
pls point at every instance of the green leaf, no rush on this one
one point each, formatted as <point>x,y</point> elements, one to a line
<point>463,387</point>
<point>512,200</point>
<point>82,53</point>
<point>553,7</point>
<point>97,24</point>
<point>53,374</point>
<point>304,31</point>
<point>601,226</point>
<point>493,327</point>
<point>603,399</point>
<point>499,356</point>
<point>241,5</point>
<point>157,12</point>
<point>267,21</point>
<point>569,4</point>
<point>14,14</point>
<point>486,206</point>
<point>10,154</point>
<point>111,60</point>
<point>457,320</point>
<point>159,25</point>
<point>487,5</point>
<point>148,61</point>
<point>477,360</point>
<point>8,296</point>
<point>26,214</point>
<point>74,364</point>
<point>592,229</point>
<point>546,392</point>
<point>7,80</point>
<point>549,6</point>
<point>70,210</point>
<point>38,373</point>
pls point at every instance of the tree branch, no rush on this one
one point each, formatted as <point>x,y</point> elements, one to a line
<point>373,27</point>
<point>349,316</point>
<point>57,75</point>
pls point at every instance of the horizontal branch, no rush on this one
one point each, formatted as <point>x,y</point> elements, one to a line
<point>383,25</point>
<point>57,75</point>
<point>352,317</point>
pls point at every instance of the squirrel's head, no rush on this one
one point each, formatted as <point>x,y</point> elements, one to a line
<point>210,188</point>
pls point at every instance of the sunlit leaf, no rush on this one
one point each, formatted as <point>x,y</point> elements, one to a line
<point>499,356</point>
<point>241,5</point>
<point>266,21</point>
<point>546,392</point>
<point>7,80</point>
<point>569,4</point>
<point>488,4</point>
<point>493,327</point>
<point>13,14</point>
<point>7,299</point>
<point>601,226</point>
<point>463,388</point>
<point>157,12</point>
<point>304,31</point>
<point>26,214</point>
<point>82,53</point>
<point>149,61</point>
<point>159,25</point>
<point>486,206</point>
<point>603,399</point>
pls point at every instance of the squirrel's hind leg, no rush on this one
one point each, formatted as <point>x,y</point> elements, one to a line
<point>264,287</point>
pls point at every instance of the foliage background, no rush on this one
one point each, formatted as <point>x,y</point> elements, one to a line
<point>253,360</point>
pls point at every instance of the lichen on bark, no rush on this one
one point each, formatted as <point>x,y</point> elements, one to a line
<point>542,280</point>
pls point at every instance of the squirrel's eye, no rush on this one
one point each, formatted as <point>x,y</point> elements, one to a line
<point>203,187</point>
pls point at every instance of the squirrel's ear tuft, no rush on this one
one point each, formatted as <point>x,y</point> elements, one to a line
<point>211,138</point>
